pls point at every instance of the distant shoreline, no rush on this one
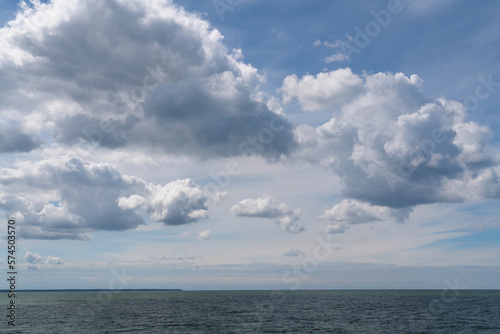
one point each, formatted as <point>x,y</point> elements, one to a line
<point>244,290</point>
<point>88,290</point>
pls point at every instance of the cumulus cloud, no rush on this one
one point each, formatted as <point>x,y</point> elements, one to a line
<point>294,253</point>
<point>348,212</point>
<point>266,207</point>
<point>177,203</point>
<point>150,75</point>
<point>89,197</point>
<point>322,91</point>
<point>393,148</point>
<point>145,74</point>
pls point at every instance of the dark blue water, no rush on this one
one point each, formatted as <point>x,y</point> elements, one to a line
<point>359,311</point>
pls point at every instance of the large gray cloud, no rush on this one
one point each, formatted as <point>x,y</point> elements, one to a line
<point>68,197</point>
<point>13,139</point>
<point>134,73</point>
<point>394,148</point>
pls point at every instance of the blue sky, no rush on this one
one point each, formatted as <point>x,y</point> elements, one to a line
<point>227,144</point>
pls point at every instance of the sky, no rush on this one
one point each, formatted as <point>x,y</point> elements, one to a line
<point>248,144</point>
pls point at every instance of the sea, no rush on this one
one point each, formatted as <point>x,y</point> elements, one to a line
<point>304,311</point>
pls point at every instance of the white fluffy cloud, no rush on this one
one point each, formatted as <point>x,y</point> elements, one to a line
<point>394,148</point>
<point>266,207</point>
<point>178,203</point>
<point>129,74</point>
<point>66,197</point>
<point>322,91</point>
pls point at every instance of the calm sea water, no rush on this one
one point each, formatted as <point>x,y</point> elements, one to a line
<point>357,311</point>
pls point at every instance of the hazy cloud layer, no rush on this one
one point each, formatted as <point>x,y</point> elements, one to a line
<point>266,207</point>
<point>294,252</point>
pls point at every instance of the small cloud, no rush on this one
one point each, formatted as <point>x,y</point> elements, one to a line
<point>334,229</point>
<point>335,44</point>
<point>219,196</point>
<point>53,260</point>
<point>32,258</point>
<point>331,45</point>
<point>205,235</point>
<point>294,253</point>
<point>132,202</point>
<point>266,207</point>
<point>336,57</point>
